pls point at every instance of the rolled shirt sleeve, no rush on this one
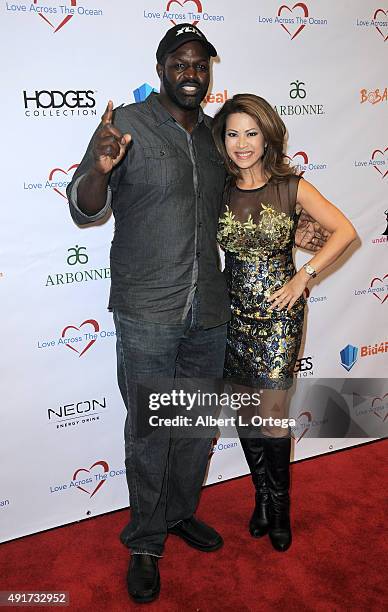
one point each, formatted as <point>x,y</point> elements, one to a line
<point>77,214</point>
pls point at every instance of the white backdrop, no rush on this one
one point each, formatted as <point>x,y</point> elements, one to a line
<point>323,64</point>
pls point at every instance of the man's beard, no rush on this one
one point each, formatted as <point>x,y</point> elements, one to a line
<point>183,100</point>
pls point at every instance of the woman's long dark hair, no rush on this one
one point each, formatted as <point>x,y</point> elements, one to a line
<point>271,126</point>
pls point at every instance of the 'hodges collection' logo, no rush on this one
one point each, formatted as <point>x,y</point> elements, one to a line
<point>298,93</point>
<point>56,17</point>
<point>77,255</point>
<point>179,11</point>
<point>55,103</point>
<point>292,19</point>
<point>304,367</point>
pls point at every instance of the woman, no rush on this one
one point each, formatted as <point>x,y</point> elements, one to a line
<point>263,199</point>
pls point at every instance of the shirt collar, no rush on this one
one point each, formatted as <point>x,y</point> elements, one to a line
<point>161,114</point>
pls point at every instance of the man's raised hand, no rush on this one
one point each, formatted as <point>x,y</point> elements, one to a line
<point>110,144</point>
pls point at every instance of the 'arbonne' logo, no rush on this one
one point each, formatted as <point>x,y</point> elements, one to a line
<point>297,89</point>
<point>298,92</point>
<point>77,255</point>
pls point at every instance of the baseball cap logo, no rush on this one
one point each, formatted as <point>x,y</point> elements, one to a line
<point>188,29</point>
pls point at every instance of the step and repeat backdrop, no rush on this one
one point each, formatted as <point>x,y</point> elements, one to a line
<point>322,63</point>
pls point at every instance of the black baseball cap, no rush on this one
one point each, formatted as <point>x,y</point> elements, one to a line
<point>179,35</point>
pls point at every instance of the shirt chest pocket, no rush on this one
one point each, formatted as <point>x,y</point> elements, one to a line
<point>163,166</point>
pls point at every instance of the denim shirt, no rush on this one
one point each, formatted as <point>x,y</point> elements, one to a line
<point>166,197</point>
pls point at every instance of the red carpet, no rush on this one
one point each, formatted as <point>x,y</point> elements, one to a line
<point>336,562</point>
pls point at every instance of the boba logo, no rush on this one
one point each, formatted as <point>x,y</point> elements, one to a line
<point>58,99</point>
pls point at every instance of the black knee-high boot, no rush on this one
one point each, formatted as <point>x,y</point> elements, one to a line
<point>253,451</point>
<point>277,462</point>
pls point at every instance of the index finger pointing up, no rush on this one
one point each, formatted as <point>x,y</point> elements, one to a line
<point>108,115</point>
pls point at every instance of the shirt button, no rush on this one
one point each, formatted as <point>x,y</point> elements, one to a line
<point>162,153</point>
<point>200,224</point>
<point>198,253</point>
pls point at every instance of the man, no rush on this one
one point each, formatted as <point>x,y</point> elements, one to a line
<point>155,164</point>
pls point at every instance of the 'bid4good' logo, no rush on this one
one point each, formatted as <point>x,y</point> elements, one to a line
<point>349,354</point>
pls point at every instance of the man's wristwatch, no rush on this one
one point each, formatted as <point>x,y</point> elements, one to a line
<point>310,270</point>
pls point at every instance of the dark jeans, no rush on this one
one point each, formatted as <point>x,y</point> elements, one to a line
<point>164,474</point>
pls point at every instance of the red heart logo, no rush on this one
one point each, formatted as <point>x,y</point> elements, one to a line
<point>380,280</point>
<point>64,20</point>
<point>291,10</point>
<point>73,167</point>
<point>380,399</point>
<point>104,466</point>
<point>375,152</point>
<point>305,158</point>
<point>91,322</point>
<point>385,13</point>
<point>306,426</point>
<point>197,4</point>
